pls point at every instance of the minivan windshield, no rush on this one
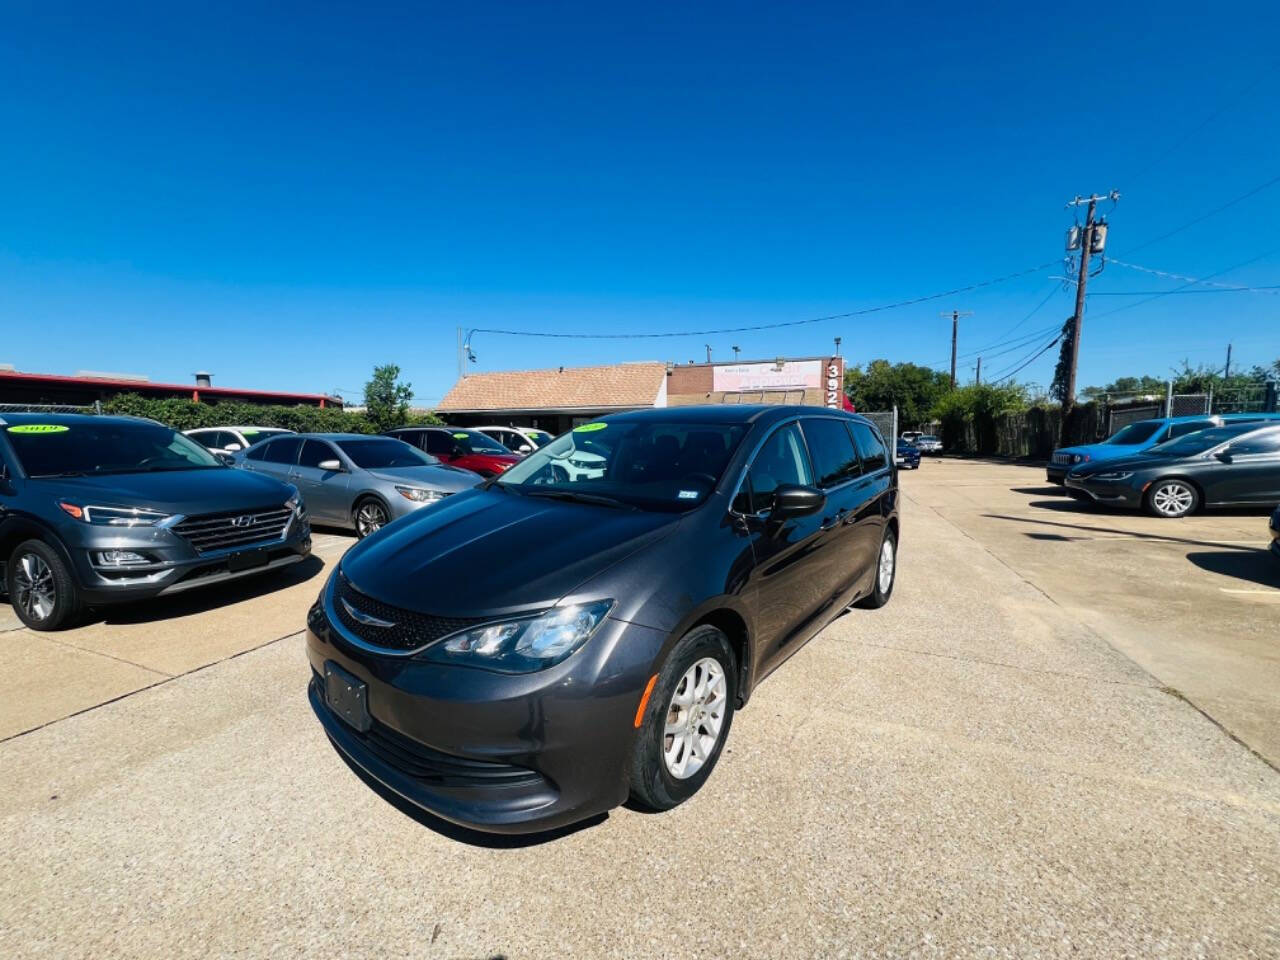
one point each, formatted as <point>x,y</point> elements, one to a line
<point>1195,443</point>
<point>1139,432</point>
<point>648,464</point>
<point>90,447</point>
<point>381,453</point>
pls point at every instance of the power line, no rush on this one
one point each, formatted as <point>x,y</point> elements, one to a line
<point>764,326</point>
<point>1028,361</point>
<point>1225,287</point>
<point>1166,293</point>
<point>1013,344</point>
<point>1200,219</point>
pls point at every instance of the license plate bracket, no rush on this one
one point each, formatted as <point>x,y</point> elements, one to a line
<point>347,696</point>
<point>247,560</point>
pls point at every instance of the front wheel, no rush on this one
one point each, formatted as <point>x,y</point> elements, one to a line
<point>886,572</point>
<point>1172,498</point>
<point>370,516</point>
<point>686,720</point>
<point>43,593</point>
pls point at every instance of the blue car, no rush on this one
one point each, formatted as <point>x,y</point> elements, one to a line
<point>1139,436</point>
<point>907,455</point>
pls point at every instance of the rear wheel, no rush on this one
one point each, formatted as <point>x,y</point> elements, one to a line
<point>370,516</point>
<point>43,593</point>
<point>686,720</point>
<point>886,572</point>
<point>1172,498</point>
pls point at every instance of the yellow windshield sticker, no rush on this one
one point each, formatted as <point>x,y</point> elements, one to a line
<point>39,428</point>
<point>460,436</point>
<point>590,427</point>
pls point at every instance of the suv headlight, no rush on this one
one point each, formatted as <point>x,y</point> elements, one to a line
<point>295,502</point>
<point>113,516</point>
<point>524,645</point>
<point>1113,475</point>
<point>421,494</point>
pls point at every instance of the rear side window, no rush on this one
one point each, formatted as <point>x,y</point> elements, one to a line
<point>284,450</point>
<point>257,452</point>
<point>1179,429</point>
<point>315,452</point>
<point>439,442</point>
<point>870,446</point>
<point>782,459</point>
<point>1256,443</point>
<point>834,458</point>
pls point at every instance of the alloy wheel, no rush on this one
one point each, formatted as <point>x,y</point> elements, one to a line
<point>695,718</point>
<point>887,560</point>
<point>370,518</point>
<point>1172,499</point>
<point>34,593</point>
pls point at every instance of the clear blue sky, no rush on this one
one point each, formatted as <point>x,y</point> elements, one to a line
<point>287,195</point>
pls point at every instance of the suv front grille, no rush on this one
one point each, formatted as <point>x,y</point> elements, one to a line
<point>234,528</point>
<point>409,629</point>
<point>1061,458</point>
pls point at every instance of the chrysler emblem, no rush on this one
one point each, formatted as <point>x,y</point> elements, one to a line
<point>361,617</point>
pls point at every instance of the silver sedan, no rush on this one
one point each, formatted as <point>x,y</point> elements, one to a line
<point>355,481</point>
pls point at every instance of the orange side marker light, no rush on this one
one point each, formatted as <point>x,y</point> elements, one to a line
<point>644,700</point>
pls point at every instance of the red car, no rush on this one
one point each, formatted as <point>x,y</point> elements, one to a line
<point>469,449</point>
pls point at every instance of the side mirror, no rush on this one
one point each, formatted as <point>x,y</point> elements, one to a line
<point>1223,455</point>
<point>524,448</point>
<point>794,500</point>
<point>329,466</point>
<point>232,447</point>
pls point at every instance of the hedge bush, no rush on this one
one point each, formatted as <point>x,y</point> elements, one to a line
<point>182,414</point>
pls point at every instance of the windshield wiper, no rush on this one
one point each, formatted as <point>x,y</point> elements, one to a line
<point>552,494</point>
<point>55,476</point>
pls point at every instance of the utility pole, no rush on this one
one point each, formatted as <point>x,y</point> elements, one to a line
<point>735,354</point>
<point>978,378</point>
<point>955,326</point>
<point>1226,372</point>
<point>708,346</point>
<point>1087,248</point>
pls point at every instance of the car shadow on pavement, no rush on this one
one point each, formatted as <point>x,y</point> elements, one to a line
<point>1070,504</point>
<point>1046,491</point>
<point>1254,566</point>
<point>1123,533</point>
<point>208,598</point>
<point>475,838</point>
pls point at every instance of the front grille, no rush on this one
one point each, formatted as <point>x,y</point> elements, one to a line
<point>1061,458</point>
<point>409,629</point>
<point>431,766</point>
<point>234,528</point>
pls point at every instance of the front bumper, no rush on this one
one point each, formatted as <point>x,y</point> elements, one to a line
<point>503,753</point>
<point>1112,493</point>
<point>1056,472</point>
<point>175,565</point>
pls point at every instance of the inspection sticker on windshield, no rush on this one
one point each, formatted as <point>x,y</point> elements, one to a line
<point>590,427</point>
<point>460,436</point>
<point>39,428</point>
<point>687,495</point>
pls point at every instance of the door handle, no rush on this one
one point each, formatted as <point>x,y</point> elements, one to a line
<point>830,522</point>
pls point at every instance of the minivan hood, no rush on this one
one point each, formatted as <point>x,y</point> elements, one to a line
<point>486,553</point>
<point>177,491</point>
<point>442,477</point>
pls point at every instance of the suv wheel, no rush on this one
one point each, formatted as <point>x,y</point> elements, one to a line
<point>41,589</point>
<point>686,721</point>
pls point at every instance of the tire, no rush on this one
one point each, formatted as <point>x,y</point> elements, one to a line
<point>665,776</point>
<point>1171,499</point>
<point>882,586</point>
<point>369,516</point>
<point>44,594</point>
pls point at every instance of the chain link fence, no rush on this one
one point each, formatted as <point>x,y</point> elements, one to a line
<point>886,422</point>
<point>48,408</point>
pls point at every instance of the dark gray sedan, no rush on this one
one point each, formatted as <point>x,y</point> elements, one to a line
<point>350,480</point>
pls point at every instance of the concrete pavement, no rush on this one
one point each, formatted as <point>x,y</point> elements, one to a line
<point>974,770</point>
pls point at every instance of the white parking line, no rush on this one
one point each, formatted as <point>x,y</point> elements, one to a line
<point>1273,590</point>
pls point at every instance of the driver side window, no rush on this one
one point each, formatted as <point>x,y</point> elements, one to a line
<point>782,459</point>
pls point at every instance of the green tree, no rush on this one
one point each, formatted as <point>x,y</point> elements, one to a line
<point>386,398</point>
<point>881,385</point>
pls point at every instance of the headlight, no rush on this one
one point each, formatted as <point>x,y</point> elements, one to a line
<point>420,494</point>
<point>522,646</point>
<point>295,502</point>
<point>1079,457</point>
<point>113,516</point>
<point>1114,475</point>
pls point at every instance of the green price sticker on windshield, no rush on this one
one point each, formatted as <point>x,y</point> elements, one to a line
<point>460,436</point>
<point>39,428</point>
<point>590,427</point>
